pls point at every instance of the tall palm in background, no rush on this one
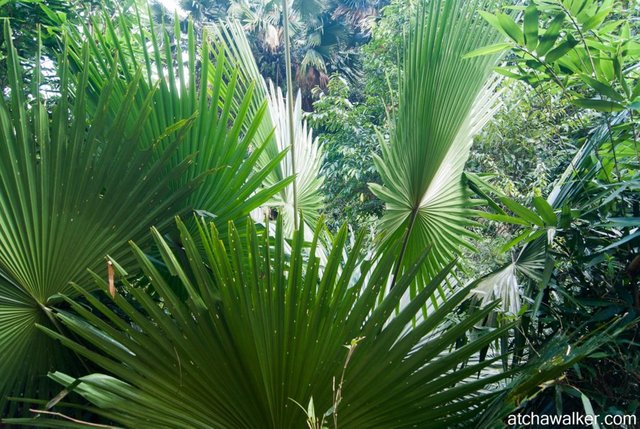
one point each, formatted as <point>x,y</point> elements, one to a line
<point>325,35</point>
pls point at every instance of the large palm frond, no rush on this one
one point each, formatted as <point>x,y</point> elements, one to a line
<point>260,330</point>
<point>443,100</point>
<point>73,187</point>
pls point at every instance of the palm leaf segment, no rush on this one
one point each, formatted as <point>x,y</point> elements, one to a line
<point>73,188</point>
<point>308,154</point>
<point>261,329</point>
<point>444,100</point>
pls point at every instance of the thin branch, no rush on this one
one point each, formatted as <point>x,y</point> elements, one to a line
<point>584,41</point>
<point>52,413</point>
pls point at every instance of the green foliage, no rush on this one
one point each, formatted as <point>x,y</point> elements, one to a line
<point>258,331</point>
<point>211,96</point>
<point>37,26</point>
<point>585,56</point>
<point>348,137</point>
<point>24,18</point>
<point>118,152</point>
<point>139,126</point>
<point>347,117</point>
<point>273,132</point>
<point>528,143</point>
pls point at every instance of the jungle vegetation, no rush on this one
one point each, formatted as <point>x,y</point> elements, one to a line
<point>318,213</point>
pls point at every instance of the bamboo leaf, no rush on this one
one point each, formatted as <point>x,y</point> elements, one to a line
<point>530,27</point>
<point>511,28</point>
<point>602,88</point>
<point>560,51</point>
<point>545,210</point>
<point>598,104</point>
<point>548,39</point>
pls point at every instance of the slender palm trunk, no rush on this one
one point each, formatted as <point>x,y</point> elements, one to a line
<point>287,52</point>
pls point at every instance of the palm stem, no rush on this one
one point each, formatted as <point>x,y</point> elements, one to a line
<point>287,52</point>
<point>405,243</point>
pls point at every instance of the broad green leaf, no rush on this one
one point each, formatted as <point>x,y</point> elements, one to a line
<point>588,409</point>
<point>522,238</point>
<point>545,210</point>
<point>598,104</point>
<point>560,50</point>
<point>622,241</point>
<point>623,221</point>
<point>508,73</point>
<point>506,219</point>
<point>486,50</point>
<point>526,214</point>
<point>602,88</point>
<point>492,20</point>
<point>594,21</point>
<point>636,92</point>
<point>548,39</point>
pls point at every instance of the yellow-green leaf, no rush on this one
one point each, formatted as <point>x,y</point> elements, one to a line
<point>488,50</point>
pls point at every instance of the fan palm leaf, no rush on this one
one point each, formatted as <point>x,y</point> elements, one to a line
<point>260,330</point>
<point>444,99</point>
<point>174,114</point>
<point>73,187</point>
<point>308,156</point>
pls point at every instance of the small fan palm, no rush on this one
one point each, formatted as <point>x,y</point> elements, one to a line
<point>261,329</point>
